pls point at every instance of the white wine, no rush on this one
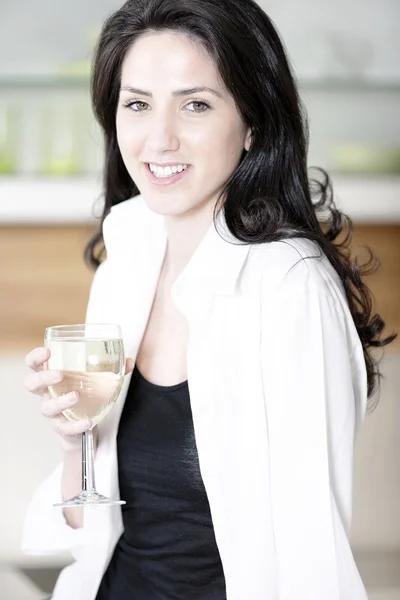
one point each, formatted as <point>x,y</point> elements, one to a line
<point>93,368</point>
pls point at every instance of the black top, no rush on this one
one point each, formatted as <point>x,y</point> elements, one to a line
<point>168,549</point>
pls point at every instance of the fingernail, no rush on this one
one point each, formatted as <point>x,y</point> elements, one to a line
<point>57,376</point>
<point>72,399</point>
<point>88,423</point>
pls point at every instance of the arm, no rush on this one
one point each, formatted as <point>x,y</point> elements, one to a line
<point>311,398</point>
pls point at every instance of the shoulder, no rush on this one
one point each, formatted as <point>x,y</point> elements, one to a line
<point>292,265</point>
<point>136,204</point>
<point>295,275</point>
<point>129,225</point>
<point>123,212</point>
<point>297,280</point>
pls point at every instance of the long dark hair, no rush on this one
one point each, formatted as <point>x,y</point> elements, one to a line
<point>269,196</point>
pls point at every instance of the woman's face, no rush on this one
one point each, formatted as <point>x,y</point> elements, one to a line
<point>162,123</point>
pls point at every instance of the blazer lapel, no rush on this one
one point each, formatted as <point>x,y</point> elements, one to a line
<point>135,241</point>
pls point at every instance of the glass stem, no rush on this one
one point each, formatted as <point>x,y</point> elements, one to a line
<point>88,482</point>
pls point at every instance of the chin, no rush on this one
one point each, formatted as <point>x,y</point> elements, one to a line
<point>163,209</point>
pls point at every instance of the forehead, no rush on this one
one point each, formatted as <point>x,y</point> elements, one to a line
<point>169,57</point>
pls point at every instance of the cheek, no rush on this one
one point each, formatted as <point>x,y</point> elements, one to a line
<point>223,149</point>
<point>127,136</point>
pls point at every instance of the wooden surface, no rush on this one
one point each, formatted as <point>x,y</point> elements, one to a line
<point>384,241</point>
<point>44,281</point>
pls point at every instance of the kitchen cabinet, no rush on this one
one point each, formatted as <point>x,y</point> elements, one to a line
<point>43,281</point>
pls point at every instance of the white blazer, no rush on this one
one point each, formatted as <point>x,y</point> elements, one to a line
<point>278,393</point>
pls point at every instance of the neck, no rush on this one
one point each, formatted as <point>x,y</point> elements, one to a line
<point>184,235</point>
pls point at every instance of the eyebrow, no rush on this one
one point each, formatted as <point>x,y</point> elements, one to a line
<point>188,92</point>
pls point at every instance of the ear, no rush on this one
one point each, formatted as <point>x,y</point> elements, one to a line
<point>247,142</point>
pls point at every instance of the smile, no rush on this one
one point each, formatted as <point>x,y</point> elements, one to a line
<point>161,172</point>
<point>161,176</point>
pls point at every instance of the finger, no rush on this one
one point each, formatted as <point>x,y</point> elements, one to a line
<point>36,358</point>
<point>38,382</point>
<point>129,365</point>
<point>68,429</point>
<point>52,408</point>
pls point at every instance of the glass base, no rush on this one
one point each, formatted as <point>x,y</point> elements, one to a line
<point>89,498</point>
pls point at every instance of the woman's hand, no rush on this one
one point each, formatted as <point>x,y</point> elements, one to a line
<point>38,382</point>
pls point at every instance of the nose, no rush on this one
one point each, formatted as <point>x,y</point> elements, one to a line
<point>163,134</point>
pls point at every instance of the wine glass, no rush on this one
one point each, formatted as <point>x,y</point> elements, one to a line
<point>92,359</point>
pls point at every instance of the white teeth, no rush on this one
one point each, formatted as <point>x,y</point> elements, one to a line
<point>161,172</point>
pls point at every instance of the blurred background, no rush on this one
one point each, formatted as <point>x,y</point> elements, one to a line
<point>346,58</point>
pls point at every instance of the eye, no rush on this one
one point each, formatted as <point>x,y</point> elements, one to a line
<point>199,102</point>
<point>140,106</point>
<point>131,103</point>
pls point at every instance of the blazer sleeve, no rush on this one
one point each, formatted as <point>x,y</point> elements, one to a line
<point>45,530</point>
<point>314,382</point>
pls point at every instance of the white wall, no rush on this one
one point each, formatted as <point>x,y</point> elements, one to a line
<point>29,450</point>
<point>38,35</point>
<point>317,35</point>
<point>376,518</point>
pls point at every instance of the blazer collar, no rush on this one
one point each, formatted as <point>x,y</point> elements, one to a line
<point>135,234</point>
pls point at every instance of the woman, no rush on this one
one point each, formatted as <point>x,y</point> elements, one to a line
<point>250,328</point>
